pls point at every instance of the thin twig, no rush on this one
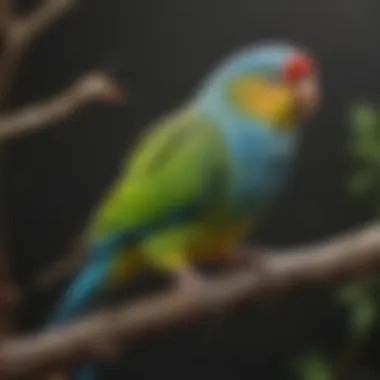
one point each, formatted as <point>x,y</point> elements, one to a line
<point>289,268</point>
<point>92,87</point>
<point>42,18</point>
<point>19,35</point>
<point>62,269</point>
<point>6,14</point>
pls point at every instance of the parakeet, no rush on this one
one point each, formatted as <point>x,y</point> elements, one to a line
<point>202,176</point>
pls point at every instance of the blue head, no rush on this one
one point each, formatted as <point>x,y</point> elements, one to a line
<point>272,82</point>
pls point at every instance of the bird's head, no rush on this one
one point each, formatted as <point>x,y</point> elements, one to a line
<point>275,82</point>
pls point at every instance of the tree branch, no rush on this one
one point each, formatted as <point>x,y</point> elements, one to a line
<point>92,87</point>
<point>41,18</point>
<point>62,269</point>
<point>16,35</point>
<point>6,13</point>
<point>285,269</point>
<point>20,33</point>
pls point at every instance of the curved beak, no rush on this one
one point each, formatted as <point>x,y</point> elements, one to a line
<point>307,94</point>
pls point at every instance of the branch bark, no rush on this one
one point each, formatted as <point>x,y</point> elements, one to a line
<point>283,270</point>
<point>95,86</point>
<point>62,269</point>
<point>20,33</point>
<point>6,12</point>
<point>43,17</point>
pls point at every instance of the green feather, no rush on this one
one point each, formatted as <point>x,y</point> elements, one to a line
<point>171,158</point>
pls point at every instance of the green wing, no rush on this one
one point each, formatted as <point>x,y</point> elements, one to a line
<point>171,167</point>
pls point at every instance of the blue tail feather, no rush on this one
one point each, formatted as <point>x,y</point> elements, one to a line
<point>87,285</point>
<point>75,302</point>
<point>79,294</point>
<point>87,371</point>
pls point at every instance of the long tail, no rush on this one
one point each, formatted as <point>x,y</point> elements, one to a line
<point>87,371</point>
<point>77,299</point>
<point>81,292</point>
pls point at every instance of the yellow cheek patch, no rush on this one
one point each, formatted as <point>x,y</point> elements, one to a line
<point>257,98</point>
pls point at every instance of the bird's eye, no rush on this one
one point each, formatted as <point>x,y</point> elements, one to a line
<point>297,67</point>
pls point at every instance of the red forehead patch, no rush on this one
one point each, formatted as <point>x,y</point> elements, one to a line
<point>298,66</point>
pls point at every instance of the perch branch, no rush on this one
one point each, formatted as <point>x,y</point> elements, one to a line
<point>286,269</point>
<point>92,87</point>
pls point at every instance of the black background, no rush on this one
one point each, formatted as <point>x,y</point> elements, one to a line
<point>159,50</point>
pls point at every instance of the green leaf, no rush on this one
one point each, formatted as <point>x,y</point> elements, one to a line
<point>363,318</point>
<point>361,182</point>
<point>364,120</point>
<point>313,367</point>
<point>362,308</point>
<point>351,293</point>
<point>367,151</point>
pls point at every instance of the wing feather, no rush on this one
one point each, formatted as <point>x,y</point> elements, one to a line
<point>174,174</point>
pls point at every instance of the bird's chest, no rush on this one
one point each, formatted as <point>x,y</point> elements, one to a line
<point>259,165</point>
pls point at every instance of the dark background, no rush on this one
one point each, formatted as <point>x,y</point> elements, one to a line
<point>159,50</point>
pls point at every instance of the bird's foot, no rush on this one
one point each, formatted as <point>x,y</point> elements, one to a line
<point>247,257</point>
<point>190,281</point>
<point>240,258</point>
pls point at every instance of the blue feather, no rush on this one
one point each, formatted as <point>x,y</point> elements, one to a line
<point>80,291</point>
<point>87,371</point>
<point>260,155</point>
